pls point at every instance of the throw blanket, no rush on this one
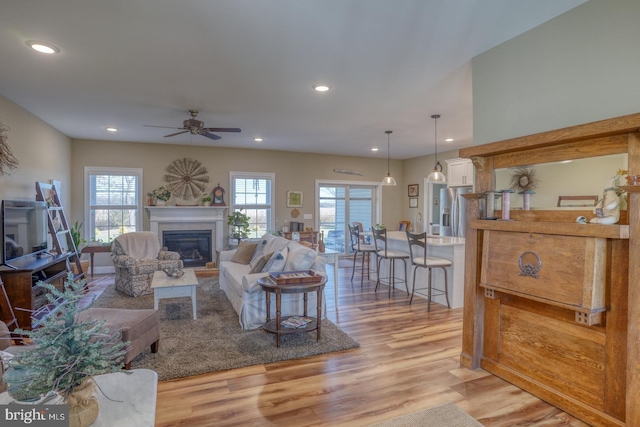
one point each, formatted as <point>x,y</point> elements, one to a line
<point>140,244</point>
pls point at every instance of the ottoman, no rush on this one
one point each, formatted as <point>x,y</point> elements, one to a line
<point>140,327</point>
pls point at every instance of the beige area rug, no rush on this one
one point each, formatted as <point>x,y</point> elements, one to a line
<point>446,415</point>
<point>215,341</point>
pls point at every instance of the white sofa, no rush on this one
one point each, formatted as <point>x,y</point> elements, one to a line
<point>246,295</point>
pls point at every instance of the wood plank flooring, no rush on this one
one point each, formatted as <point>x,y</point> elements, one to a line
<point>408,361</point>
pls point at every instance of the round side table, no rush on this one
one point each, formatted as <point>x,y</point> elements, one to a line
<point>274,326</point>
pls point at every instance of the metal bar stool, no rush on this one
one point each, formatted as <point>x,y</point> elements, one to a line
<point>383,253</point>
<point>423,260</point>
<point>359,247</point>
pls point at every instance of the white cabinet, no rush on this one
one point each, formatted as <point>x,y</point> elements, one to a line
<point>459,172</point>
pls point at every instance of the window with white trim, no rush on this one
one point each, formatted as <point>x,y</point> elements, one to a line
<point>113,202</point>
<point>253,193</point>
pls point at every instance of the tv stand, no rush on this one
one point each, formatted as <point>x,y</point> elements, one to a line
<point>27,299</point>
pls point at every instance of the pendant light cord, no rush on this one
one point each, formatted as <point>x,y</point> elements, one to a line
<point>435,118</point>
<point>388,132</point>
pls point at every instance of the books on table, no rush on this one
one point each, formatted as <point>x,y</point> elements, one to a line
<point>297,322</point>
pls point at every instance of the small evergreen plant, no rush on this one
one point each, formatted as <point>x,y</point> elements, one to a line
<point>67,350</point>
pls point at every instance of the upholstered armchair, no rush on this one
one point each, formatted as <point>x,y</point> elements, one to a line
<point>136,256</point>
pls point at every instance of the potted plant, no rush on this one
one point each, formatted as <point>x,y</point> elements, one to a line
<point>239,223</point>
<point>76,235</point>
<point>161,195</point>
<point>206,199</point>
<point>68,350</point>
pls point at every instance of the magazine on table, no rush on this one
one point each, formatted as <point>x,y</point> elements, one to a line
<point>296,322</point>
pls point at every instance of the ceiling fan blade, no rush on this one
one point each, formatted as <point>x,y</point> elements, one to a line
<point>165,127</point>
<point>221,129</point>
<point>210,135</point>
<point>177,133</point>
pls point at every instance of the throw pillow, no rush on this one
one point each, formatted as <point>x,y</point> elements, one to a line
<point>243,253</point>
<point>300,258</point>
<point>278,260</point>
<point>259,251</point>
<point>258,264</point>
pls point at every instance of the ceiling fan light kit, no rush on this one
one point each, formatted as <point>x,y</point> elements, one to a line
<point>436,174</point>
<point>196,127</point>
<point>388,180</point>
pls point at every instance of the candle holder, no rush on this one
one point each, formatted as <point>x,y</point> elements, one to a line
<point>526,199</point>
<point>506,204</point>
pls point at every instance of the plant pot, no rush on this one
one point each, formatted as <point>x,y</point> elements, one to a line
<point>206,203</point>
<point>83,404</point>
<point>161,203</point>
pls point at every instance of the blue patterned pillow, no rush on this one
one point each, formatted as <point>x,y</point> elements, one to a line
<point>277,261</point>
<point>259,251</point>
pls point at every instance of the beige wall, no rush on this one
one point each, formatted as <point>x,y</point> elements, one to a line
<point>44,153</point>
<point>294,171</point>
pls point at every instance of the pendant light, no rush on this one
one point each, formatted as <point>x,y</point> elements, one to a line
<point>388,180</point>
<point>436,174</point>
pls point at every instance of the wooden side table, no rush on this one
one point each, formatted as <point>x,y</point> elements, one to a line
<point>91,250</point>
<point>274,326</point>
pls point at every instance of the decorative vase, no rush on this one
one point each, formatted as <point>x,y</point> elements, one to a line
<point>83,404</point>
<point>16,378</point>
<point>206,203</point>
<point>161,202</point>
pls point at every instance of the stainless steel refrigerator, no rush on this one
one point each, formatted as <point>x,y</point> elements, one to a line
<point>452,211</point>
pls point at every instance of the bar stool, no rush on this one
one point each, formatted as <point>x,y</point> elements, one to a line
<point>359,247</point>
<point>429,262</point>
<point>383,253</point>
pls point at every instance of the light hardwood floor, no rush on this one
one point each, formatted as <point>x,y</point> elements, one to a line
<point>408,361</point>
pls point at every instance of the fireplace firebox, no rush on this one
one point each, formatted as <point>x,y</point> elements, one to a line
<point>194,246</point>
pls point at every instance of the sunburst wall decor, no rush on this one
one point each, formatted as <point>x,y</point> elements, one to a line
<point>524,179</point>
<point>186,178</point>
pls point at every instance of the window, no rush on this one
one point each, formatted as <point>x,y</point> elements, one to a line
<point>113,202</point>
<point>253,193</point>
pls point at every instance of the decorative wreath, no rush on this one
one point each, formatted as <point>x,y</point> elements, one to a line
<point>186,178</point>
<point>524,179</point>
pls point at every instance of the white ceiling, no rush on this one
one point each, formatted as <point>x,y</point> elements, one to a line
<point>252,63</point>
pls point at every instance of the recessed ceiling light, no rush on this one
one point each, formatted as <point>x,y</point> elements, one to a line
<point>448,140</point>
<point>112,129</point>
<point>257,139</point>
<point>42,47</point>
<point>321,88</point>
<point>374,149</point>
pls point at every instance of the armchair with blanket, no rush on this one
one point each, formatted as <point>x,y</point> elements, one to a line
<point>136,256</point>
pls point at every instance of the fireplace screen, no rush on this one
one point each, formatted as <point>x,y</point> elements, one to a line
<point>194,246</point>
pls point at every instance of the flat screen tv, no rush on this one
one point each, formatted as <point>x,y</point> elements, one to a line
<point>24,229</point>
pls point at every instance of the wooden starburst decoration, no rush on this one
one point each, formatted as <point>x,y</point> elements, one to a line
<point>523,179</point>
<point>186,178</point>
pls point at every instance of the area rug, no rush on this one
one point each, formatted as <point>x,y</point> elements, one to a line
<point>445,415</point>
<point>215,341</point>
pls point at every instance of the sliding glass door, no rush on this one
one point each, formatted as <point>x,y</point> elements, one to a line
<point>343,204</point>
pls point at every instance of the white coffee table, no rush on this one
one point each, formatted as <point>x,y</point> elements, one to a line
<point>166,287</point>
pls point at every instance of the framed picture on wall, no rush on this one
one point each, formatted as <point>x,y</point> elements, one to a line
<point>413,202</point>
<point>413,190</point>
<point>294,199</point>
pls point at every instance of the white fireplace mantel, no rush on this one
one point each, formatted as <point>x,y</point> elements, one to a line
<point>163,218</point>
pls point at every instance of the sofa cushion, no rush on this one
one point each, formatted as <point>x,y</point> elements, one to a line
<point>243,253</point>
<point>300,258</point>
<point>278,260</point>
<point>258,264</point>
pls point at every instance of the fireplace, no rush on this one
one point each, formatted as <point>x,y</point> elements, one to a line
<point>194,246</point>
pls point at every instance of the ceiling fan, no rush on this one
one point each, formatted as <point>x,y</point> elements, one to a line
<point>196,127</point>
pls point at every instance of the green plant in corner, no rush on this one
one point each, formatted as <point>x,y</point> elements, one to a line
<point>76,235</point>
<point>239,223</point>
<point>68,350</point>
